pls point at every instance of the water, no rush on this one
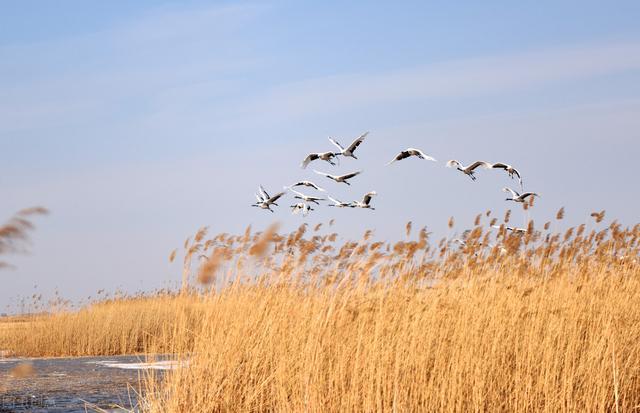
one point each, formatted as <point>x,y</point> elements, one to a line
<point>74,384</point>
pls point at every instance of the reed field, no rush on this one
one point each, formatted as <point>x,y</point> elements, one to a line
<point>499,320</point>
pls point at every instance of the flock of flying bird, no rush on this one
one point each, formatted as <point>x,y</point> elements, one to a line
<point>266,201</point>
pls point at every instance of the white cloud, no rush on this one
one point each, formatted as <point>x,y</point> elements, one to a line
<point>452,79</point>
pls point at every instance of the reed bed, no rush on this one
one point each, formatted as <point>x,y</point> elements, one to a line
<point>125,325</point>
<point>508,321</point>
<point>500,320</point>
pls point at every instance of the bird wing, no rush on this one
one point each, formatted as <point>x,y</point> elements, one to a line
<point>310,185</point>
<point>477,164</point>
<point>259,198</point>
<point>335,201</point>
<point>314,186</point>
<point>325,174</point>
<point>351,175</point>
<point>264,193</point>
<point>354,145</point>
<point>295,192</point>
<point>514,194</point>
<point>308,159</point>
<point>333,141</point>
<point>420,154</point>
<point>517,173</point>
<point>452,163</point>
<point>402,155</point>
<point>500,165</point>
<point>528,194</point>
<point>367,197</point>
<point>275,197</point>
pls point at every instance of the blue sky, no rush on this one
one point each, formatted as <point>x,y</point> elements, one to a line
<point>138,122</point>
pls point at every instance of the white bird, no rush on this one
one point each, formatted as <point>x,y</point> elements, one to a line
<point>411,152</point>
<point>340,204</point>
<point>324,156</point>
<point>512,229</point>
<point>340,178</point>
<point>366,201</point>
<point>306,198</point>
<point>301,207</point>
<point>468,170</point>
<point>516,197</point>
<point>349,150</point>
<point>309,184</point>
<point>265,201</point>
<point>510,170</point>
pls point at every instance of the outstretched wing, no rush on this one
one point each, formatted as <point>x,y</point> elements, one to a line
<point>478,164</point>
<point>316,187</point>
<point>311,157</point>
<point>333,141</point>
<point>310,185</point>
<point>402,155</point>
<point>354,145</point>
<point>453,163</point>
<point>367,197</point>
<point>517,173</point>
<point>275,197</point>
<point>514,194</point>
<point>325,174</point>
<point>420,154</point>
<point>528,194</point>
<point>351,175</point>
<point>264,193</point>
<point>295,192</point>
<point>500,165</point>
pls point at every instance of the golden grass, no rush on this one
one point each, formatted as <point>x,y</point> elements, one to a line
<point>501,343</point>
<point>513,321</point>
<point>121,326</point>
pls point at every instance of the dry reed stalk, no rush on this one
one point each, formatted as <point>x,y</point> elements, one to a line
<point>535,322</point>
<point>14,234</point>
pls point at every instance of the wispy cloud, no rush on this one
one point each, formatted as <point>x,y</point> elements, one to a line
<point>56,82</point>
<point>491,75</point>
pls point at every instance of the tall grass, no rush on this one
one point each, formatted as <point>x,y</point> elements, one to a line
<point>504,320</point>
<point>113,327</point>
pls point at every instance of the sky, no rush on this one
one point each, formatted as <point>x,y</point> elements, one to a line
<point>136,123</point>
